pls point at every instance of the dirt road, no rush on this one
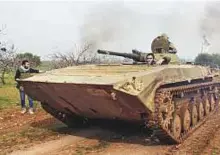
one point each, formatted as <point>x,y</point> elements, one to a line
<point>51,146</point>
<point>97,141</point>
<point>44,135</point>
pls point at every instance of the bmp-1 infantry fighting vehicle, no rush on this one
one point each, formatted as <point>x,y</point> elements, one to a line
<point>173,98</point>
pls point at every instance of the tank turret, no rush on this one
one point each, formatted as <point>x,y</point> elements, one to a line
<point>161,44</point>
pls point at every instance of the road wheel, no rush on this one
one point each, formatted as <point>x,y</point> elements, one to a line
<point>212,102</point>
<point>206,105</point>
<point>201,111</point>
<point>194,115</point>
<point>176,126</point>
<point>186,120</point>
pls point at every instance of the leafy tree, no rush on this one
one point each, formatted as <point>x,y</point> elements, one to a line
<point>34,59</point>
<point>216,59</point>
<point>206,59</point>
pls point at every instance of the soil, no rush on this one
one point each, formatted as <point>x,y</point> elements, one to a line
<point>42,134</point>
<point>19,131</point>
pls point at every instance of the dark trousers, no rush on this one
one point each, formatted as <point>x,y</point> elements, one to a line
<point>22,97</point>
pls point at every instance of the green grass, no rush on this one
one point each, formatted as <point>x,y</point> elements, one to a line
<point>9,95</point>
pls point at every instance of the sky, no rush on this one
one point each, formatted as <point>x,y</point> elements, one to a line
<point>47,26</point>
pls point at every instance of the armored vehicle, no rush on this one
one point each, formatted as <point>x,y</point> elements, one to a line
<point>174,98</point>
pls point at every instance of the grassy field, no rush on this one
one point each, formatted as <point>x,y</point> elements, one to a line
<point>9,95</point>
<point>19,131</point>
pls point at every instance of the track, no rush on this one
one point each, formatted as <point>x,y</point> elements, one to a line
<point>173,105</point>
<point>204,141</point>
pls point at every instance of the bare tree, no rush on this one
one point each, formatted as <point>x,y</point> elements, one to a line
<point>7,58</point>
<point>78,56</point>
<point>84,54</point>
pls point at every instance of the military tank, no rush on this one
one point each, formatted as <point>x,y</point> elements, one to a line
<point>174,99</point>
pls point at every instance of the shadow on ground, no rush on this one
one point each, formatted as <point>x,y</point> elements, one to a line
<point>112,131</point>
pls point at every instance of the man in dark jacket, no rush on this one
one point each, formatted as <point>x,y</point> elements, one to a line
<point>24,68</point>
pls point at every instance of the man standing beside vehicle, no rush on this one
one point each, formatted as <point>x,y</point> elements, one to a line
<point>24,69</point>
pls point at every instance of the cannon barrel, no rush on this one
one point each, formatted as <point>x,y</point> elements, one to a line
<point>134,51</point>
<point>135,56</point>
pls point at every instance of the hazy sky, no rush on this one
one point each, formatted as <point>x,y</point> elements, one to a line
<point>43,27</point>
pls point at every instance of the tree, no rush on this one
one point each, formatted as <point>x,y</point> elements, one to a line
<point>80,54</point>
<point>34,59</point>
<point>7,59</point>
<point>206,59</point>
<point>216,59</point>
<point>84,54</point>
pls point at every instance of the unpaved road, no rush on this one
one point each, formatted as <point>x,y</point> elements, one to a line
<point>120,139</point>
<point>51,146</point>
